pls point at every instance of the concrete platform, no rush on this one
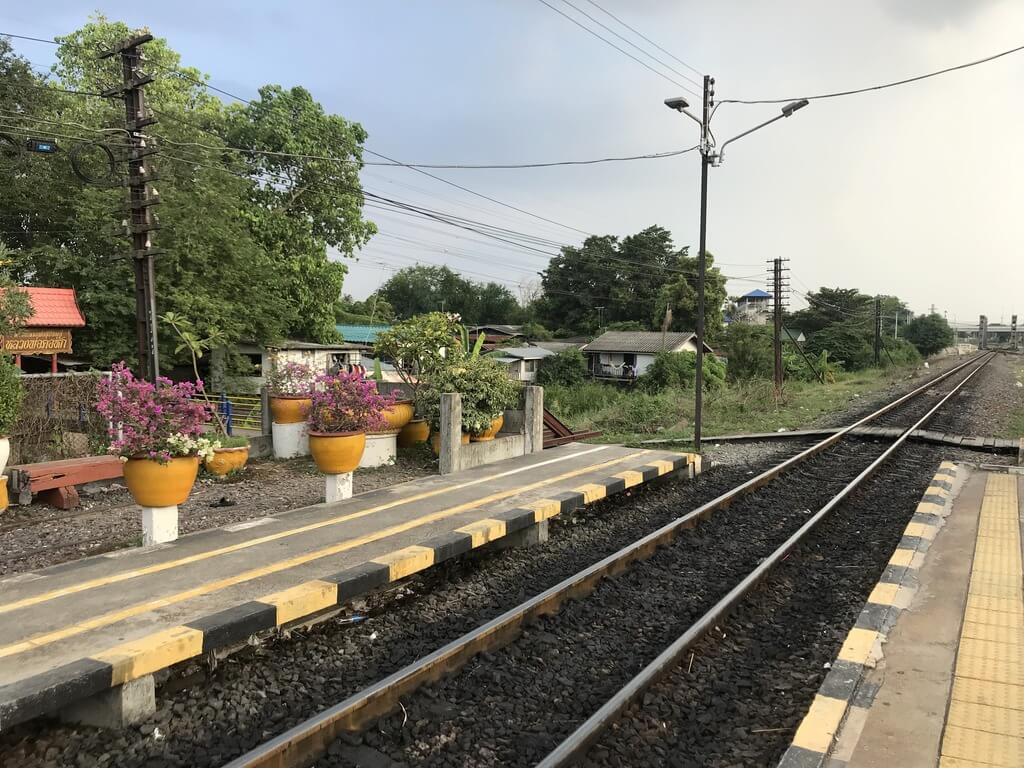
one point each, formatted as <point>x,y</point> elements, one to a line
<point>933,673</point>
<point>76,630</point>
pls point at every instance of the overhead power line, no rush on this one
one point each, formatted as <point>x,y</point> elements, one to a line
<point>605,40</point>
<point>638,33</point>
<point>628,42</point>
<point>880,87</point>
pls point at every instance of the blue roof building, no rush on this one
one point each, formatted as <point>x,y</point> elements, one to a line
<point>361,334</point>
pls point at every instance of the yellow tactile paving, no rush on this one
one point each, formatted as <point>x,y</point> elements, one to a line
<point>1008,635</point>
<point>984,717</point>
<point>987,692</point>
<point>988,748</point>
<point>985,722</point>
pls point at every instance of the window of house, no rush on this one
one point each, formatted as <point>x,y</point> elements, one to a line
<point>530,366</point>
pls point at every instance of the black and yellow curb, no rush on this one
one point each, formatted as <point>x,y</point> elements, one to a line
<point>844,689</point>
<point>57,688</point>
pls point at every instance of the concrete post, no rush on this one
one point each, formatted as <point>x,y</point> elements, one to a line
<point>290,440</point>
<point>451,432</point>
<point>533,419</point>
<point>338,487</point>
<point>265,416</point>
<point>159,524</point>
<point>116,708</point>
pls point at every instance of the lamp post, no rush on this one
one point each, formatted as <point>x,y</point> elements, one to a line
<point>708,158</point>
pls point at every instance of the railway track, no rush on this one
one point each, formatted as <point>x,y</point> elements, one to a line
<point>760,523</point>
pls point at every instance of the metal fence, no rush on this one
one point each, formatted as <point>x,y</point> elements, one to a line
<point>240,411</point>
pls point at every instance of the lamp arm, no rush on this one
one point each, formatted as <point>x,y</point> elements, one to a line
<point>721,152</point>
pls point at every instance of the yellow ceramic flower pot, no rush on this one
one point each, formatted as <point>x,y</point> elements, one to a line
<point>289,409</point>
<point>416,431</point>
<point>491,432</point>
<point>4,500</point>
<point>153,484</point>
<point>435,441</point>
<point>227,460</point>
<point>336,453</point>
<point>398,415</point>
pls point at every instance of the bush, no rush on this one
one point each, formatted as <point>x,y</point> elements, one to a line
<point>11,395</point>
<point>567,368</point>
<point>749,349</point>
<point>570,403</point>
<point>346,402</point>
<point>642,413</point>
<point>846,346</point>
<point>484,385</point>
<point>676,370</point>
<point>901,351</point>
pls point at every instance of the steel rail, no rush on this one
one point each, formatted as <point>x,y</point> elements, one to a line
<point>305,742</point>
<point>579,741</point>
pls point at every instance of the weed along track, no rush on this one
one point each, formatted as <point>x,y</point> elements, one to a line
<point>543,682</point>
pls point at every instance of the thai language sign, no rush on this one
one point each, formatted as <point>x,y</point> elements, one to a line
<point>48,342</point>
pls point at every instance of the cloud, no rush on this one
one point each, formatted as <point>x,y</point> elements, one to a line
<point>936,14</point>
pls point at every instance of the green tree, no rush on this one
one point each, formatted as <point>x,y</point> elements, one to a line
<point>929,333</point>
<point>496,304</point>
<point>749,349</point>
<point>245,238</point>
<point>373,310</point>
<point>677,370</point>
<point>846,346</point>
<point>421,289</point>
<point>634,281</point>
<point>567,368</point>
<point>827,306</point>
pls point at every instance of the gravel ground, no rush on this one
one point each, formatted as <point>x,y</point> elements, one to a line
<point>984,405</point>
<point>38,536</point>
<point>205,717</point>
<point>510,708</point>
<point>261,692</point>
<point>740,697</point>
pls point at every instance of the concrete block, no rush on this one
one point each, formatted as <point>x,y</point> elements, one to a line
<point>381,450</point>
<point>530,536</point>
<point>159,524</point>
<point>338,487</point>
<point>290,440</point>
<point>533,417</point>
<point>451,433</point>
<point>118,707</point>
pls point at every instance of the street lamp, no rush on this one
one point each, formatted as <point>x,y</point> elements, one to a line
<point>708,158</point>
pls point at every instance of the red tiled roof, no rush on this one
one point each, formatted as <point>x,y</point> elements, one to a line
<point>54,308</point>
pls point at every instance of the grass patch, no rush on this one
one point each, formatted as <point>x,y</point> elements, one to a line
<point>1014,428</point>
<point>628,416</point>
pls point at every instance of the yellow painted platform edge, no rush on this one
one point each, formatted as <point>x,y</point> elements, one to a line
<point>162,649</point>
<point>818,730</point>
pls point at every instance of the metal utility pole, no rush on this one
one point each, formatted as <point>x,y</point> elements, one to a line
<point>1013,331</point>
<point>983,332</point>
<point>705,162</point>
<point>878,330</point>
<point>141,199</point>
<point>709,157</point>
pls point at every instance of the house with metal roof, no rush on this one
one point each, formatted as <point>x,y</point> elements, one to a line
<point>754,307</point>
<point>624,355</point>
<point>521,362</point>
<point>364,336</point>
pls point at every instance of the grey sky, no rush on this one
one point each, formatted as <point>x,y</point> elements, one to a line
<point>916,191</point>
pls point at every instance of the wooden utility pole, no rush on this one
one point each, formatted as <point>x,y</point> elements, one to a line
<point>878,330</point>
<point>777,318</point>
<point>141,199</point>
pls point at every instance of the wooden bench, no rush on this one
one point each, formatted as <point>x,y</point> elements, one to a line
<point>53,482</point>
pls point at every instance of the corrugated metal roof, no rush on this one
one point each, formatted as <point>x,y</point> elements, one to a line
<point>757,293</point>
<point>54,308</point>
<point>507,330</point>
<point>525,353</point>
<point>360,334</point>
<point>637,341</point>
